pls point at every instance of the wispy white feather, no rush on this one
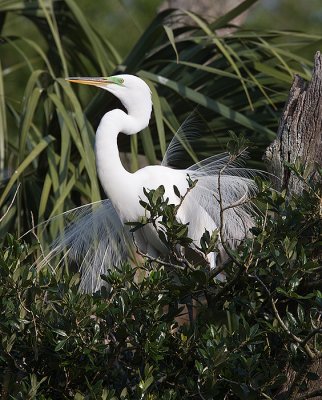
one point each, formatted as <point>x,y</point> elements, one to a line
<point>180,145</point>
<point>221,200</point>
<point>235,182</point>
<point>95,240</point>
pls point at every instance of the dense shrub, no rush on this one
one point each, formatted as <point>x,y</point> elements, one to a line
<point>124,342</point>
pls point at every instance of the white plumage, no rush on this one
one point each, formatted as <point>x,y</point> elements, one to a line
<point>98,238</point>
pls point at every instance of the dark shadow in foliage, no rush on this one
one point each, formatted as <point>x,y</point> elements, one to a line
<point>122,344</point>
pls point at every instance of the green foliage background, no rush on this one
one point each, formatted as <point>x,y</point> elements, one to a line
<point>238,82</point>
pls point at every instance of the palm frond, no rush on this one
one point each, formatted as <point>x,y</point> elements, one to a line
<point>239,82</point>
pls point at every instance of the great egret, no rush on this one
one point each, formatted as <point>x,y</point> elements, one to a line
<point>98,239</point>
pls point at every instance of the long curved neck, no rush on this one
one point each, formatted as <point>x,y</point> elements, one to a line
<point>113,176</point>
<point>116,181</point>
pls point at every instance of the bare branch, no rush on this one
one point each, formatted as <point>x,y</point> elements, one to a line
<point>298,340</point>
<point>311,335</point>
<point>309,395</point>
<point>154,259</point>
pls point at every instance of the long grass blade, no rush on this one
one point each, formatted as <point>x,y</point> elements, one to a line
<point>207,102</point>
<point>3,125</point>
<point>25,163</point>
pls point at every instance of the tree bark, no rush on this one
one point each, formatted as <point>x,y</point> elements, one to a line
<point>210,10</point>
<point>299,140</point>
<point>299,136</point>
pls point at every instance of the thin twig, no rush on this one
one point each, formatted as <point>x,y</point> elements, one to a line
<point>200,394</point>
<point>221,213</point>
<point>298,340</point>
<point>32,230</point>
<point>309,395</point>
<point>33,320</point>
<point>240,202</point>
<point>184,261</point>
<point>154,259</point>
<point>312,334</point>
<point>221,235</point>
<point>185,195</point>
<point>216,271</point>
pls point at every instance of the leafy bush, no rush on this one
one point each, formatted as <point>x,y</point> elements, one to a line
<point>124,342</point>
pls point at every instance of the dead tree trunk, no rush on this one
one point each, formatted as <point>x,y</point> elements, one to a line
<point>299,140</point>
<point>299,136</point>
<point>209,9</point>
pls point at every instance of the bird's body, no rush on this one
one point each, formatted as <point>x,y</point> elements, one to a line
<point>125,189</point>
<point>200,208</point>
<point>122,187</point>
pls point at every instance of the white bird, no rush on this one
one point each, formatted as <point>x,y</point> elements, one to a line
<point>98,238</point>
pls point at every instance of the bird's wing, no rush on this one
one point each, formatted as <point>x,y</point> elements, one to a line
<point>95,239</point>
<point>224,190</point>
<point>180,145</point>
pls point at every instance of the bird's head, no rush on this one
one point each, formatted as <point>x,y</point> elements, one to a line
<point>132,91</point>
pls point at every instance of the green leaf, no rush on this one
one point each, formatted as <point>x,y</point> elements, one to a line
<point>176,191</point>
<point>170,35</point>
<point>300,313</point>
<point>25,163</point>
<point>60,344</point>
<point>291,319</point>
<point>60,332</point>
<point>158,194</point>
<point>144,385</point>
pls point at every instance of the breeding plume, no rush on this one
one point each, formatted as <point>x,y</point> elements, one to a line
<point>99,238</point>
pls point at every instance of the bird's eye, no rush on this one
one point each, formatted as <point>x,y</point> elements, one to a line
<point>118,81</point>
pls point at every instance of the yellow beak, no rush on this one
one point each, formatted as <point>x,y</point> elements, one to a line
<point>90,80</point>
